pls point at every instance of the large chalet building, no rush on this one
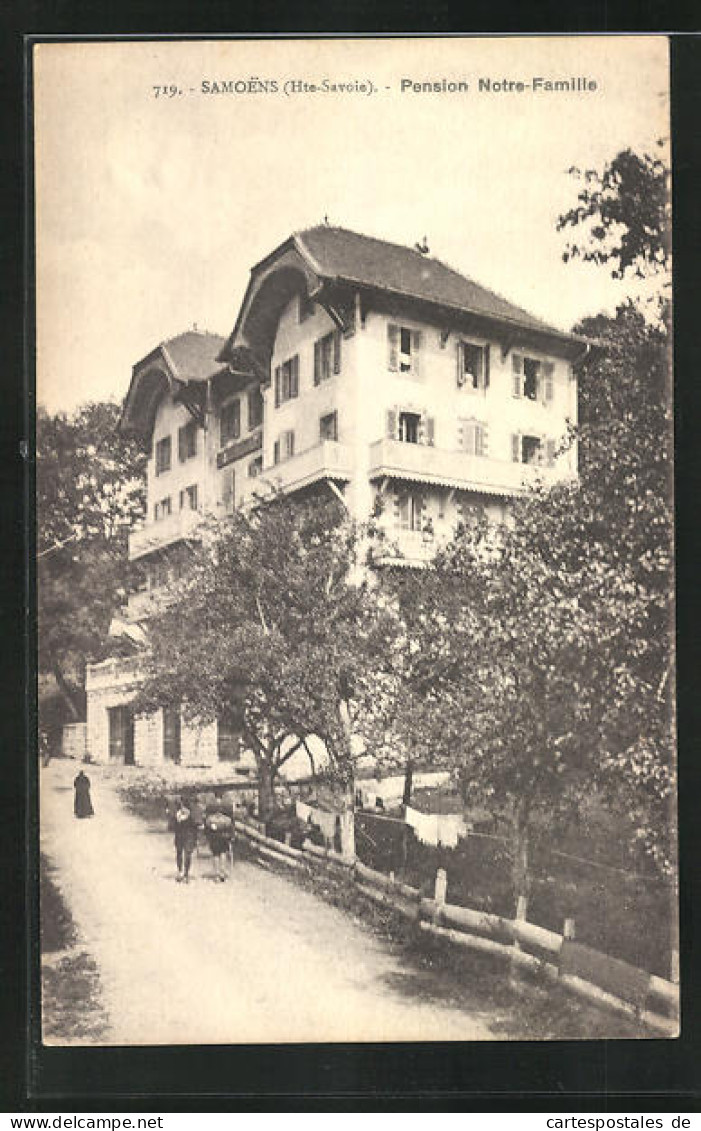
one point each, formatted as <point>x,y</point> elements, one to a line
<point>354,365</point>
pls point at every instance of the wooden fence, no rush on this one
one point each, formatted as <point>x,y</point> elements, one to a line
<point>560,958</point>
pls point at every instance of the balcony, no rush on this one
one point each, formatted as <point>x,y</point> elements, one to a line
<point>420,463</point>
<point>327,460</point>
<point>156,535</point>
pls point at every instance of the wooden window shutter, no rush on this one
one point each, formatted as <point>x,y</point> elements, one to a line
<point>468,433</point>
<point>276,452</point>
<point>337,352</point>
<point>317,363</point>
<point>415,351</point>
<point>294,376</point>
<point>517,372</point>
<point>290,443</point>
<point>393,347</point>
<point>486,367</point>
<point>277,386</point>
<point>460,364</point>
<point>236,409</point>
<point>392,424</point>
<point>550,453</point>
<point>429,430</point>
<point>182,445</point>
<point>548,369</point>
<point>481,440</point>
<point>516,448</point>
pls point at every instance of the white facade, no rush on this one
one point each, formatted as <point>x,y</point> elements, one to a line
<point>416,411</point>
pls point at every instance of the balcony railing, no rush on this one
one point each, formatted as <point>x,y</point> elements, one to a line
<point>155,535</point>
<point>326,460</point>
<point>421,463</point>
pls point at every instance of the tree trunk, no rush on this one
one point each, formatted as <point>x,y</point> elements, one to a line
<point>521,864</point>
<point>66,691</point>
<point>266,792</point>
<point>408,782</point>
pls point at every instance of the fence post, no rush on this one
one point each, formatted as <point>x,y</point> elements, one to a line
<point>440,891</point>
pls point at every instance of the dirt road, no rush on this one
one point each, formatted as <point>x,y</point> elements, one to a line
<point>257,959</point>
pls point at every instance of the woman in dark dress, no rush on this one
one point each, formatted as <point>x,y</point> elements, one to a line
<point>185,838</point>
<point>82,805</point>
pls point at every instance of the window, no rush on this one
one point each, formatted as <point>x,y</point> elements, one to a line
<point>171,734</point>
<point>409,509</point>
<point>255,467</point>
<point>228,737</point>
<point>328,426</point>
<point>409,425</point>
<point>187,441</point>
<point>162,509</point>
<point>404,346</point>
<point>284,447</point>
<point>230,422</point>
<point>472,435</point>
<point>188,498</point>
<point>287,380</point>
<point>530,449</point>
<point>163,455</point>
<point>473,366</point>
<point>306,306</point>
<point>255,408</point>
<point>532,378</point>
<point>327,357</point>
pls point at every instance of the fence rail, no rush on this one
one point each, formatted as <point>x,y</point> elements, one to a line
<point>580,969</point>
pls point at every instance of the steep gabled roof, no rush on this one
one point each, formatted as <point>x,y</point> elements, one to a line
<point>339,254</point>
<point>170,367</point>
<point>193,355</point>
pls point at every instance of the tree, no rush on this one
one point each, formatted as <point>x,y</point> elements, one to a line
<point>89,489</point>
<point>272,625</point>
<point>624,215</point>
<point>537,661</point>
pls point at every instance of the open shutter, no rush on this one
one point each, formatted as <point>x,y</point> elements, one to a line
<point>289,443</point>
<point>317,363</point>
<point>419,511</point>
<point>548,369</point>
<point>486,367</point>
<point>460,365</point>
<point>182,444</point>
<point>337,352</point>
<point>429,430</point>
<point>550,453</point>
<point>516,448</point>
<point>277,386</point>
<point>294,376</point>
<point>481,440</point>
<point>391,424</point>
<point>517,374</point>
<point>468,435</point>
<point>276,452</point>
<point>393,347</point>
<point>415,352</point>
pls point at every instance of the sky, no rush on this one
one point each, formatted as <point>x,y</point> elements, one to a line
<point>151,210</point>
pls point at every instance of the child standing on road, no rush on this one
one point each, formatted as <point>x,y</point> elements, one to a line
<point>185,839</point>
<point>218,829</point>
